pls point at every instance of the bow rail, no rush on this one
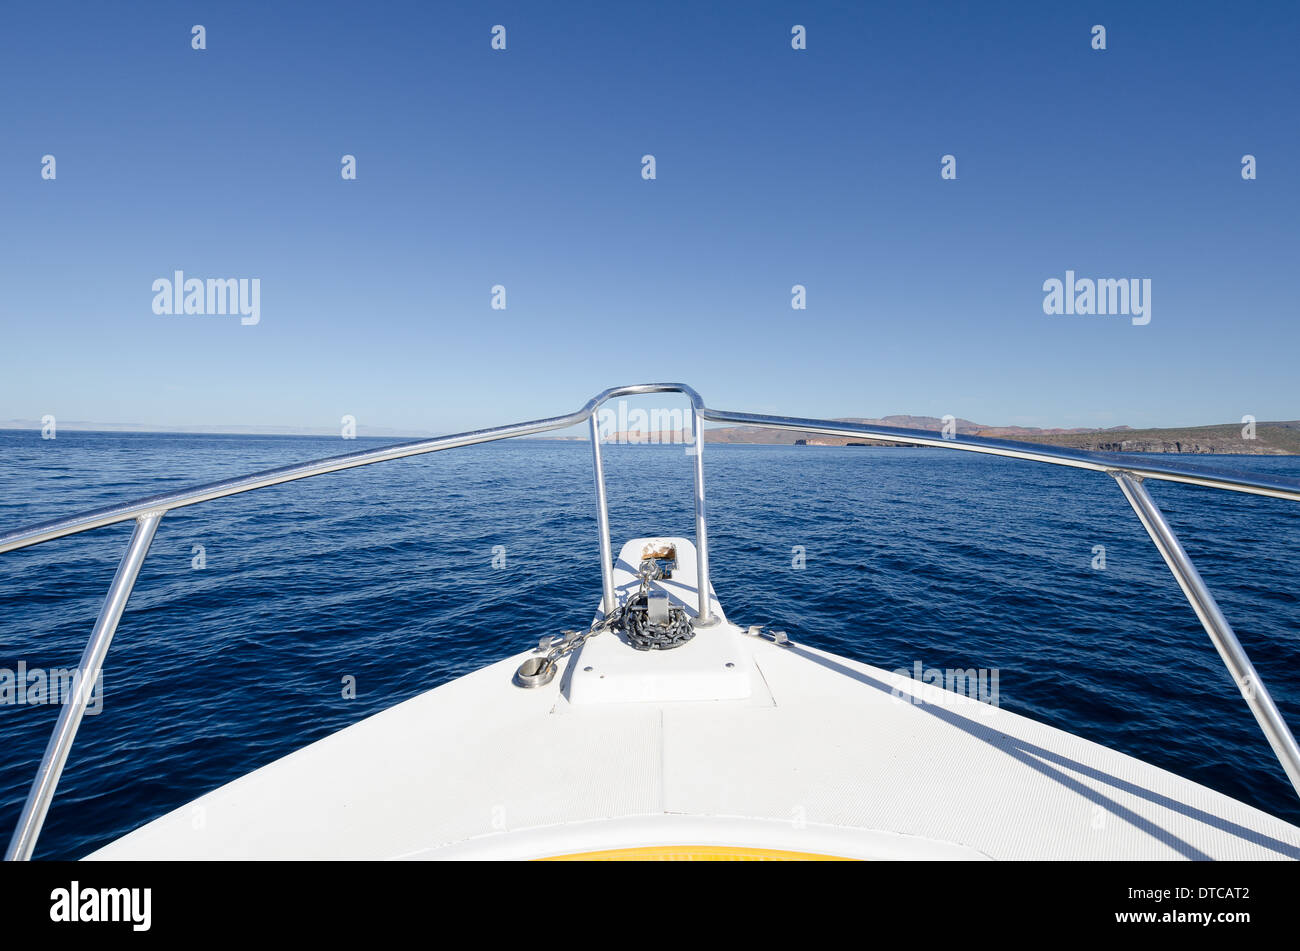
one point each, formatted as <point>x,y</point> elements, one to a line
<point>1129,473</point>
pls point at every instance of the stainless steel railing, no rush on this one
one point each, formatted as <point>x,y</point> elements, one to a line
<point>148,512</point>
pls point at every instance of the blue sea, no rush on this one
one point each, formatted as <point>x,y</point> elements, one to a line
<point>385,574</point>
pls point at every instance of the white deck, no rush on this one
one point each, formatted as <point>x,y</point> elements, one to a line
<point>823,755</point>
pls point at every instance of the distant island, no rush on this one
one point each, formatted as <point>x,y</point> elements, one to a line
<point>1270,438</point>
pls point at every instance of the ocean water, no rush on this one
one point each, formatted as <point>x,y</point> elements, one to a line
<point>385,574</point>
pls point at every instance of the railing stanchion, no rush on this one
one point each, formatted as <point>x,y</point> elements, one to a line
<point>602,521</point>
<point>705,618</point>
<point>87,677</point>
<point>1216,625</point>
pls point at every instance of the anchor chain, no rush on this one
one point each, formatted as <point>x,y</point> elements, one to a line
<point>671,629</point>
<point>633,618</point>
<point>539,671</point>
<point>646,636</point>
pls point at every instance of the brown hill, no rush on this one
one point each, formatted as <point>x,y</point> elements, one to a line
<point>1271,438</point>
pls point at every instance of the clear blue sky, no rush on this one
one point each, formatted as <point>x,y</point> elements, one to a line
<point>522,168</point>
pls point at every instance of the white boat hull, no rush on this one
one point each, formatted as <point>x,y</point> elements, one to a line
<point>816,754</point>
